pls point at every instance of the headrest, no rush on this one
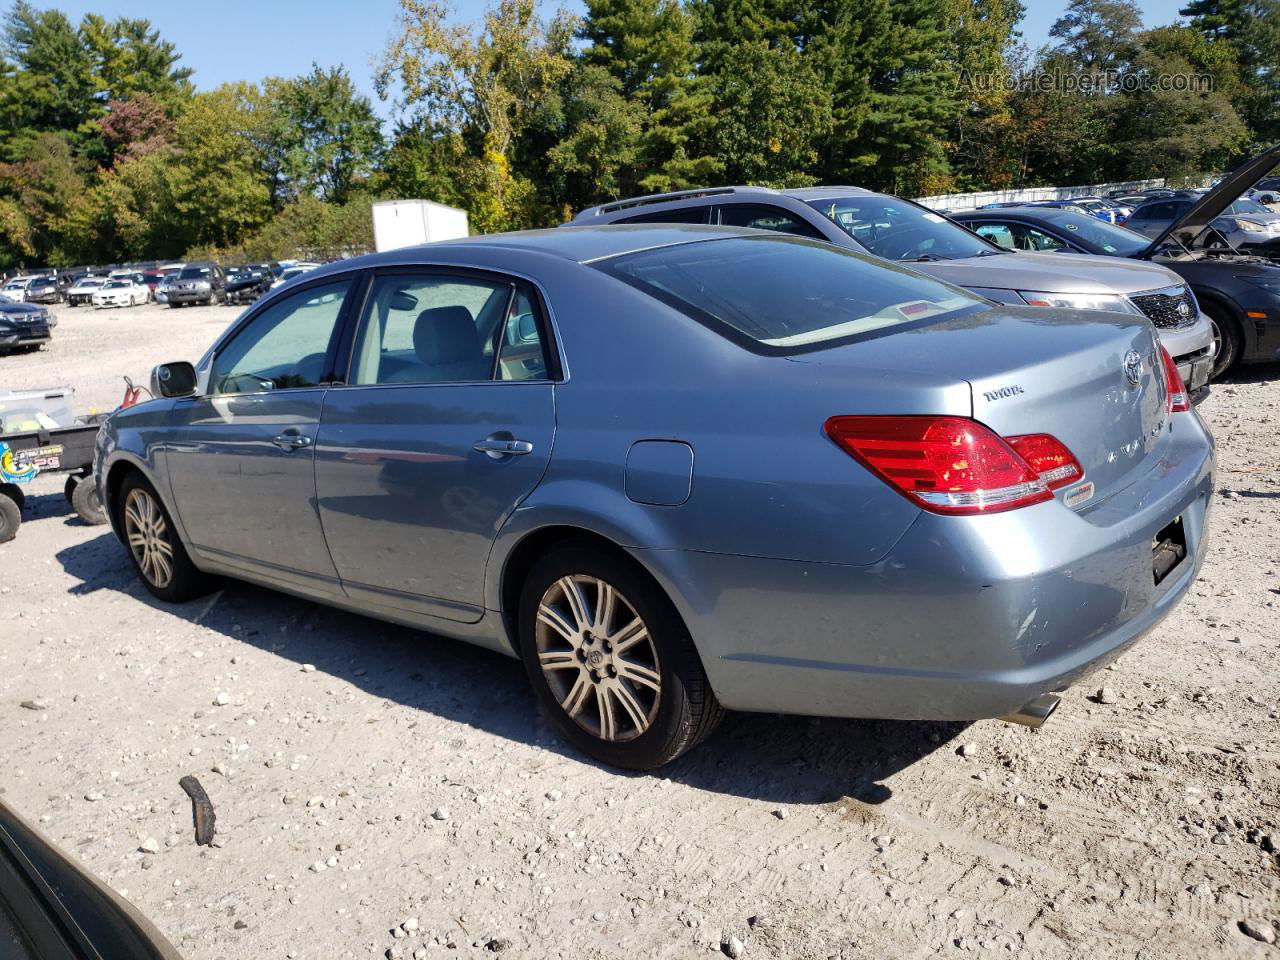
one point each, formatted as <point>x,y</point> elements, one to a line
<point>446,335</point>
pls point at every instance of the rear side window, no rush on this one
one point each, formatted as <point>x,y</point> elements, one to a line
<point>787,295</point>
<point>765,217</point>
<point>683,215</point>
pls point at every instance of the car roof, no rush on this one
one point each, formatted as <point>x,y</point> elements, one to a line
<point>705,196</point>
<point>580,244</point>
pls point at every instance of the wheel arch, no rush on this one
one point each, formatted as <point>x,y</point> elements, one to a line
<point>1215,298</point>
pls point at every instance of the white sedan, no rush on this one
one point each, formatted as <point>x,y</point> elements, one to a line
<point>121,292</point>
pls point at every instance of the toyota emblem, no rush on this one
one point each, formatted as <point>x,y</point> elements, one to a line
<point>1133,367</point>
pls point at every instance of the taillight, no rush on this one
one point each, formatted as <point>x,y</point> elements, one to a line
<point>1178,401</point>
<point>1049,458</point>
<point>944,464</point>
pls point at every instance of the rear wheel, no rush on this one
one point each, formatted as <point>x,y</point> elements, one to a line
<point>610,661</point>
<point>1227,341</point>
<point>154,547</point>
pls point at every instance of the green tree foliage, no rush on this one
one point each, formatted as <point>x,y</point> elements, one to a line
<point>329,137</point>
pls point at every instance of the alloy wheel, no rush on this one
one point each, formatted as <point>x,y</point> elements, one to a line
<point>147,534</point>
<point>598,658</point>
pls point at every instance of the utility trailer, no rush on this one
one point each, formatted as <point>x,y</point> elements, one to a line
<point>408,223</point>
<point>38,435</point>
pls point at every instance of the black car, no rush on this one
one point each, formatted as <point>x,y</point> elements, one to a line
<point>44,289</point>
<point>24,326</point>
<point>246,284</point>
<point>203,283</point>
<point>51,910</point>
<point>1239,293</point>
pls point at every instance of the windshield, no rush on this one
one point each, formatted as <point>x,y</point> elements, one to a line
<point>1245,205</point>
<point>118,283</point>
<point>897,230</point>
<point>1107,237</point>
<point>195,273</point>
<point>784,294</point>
<point>90,282</point>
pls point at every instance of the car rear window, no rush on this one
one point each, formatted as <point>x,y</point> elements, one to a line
<point>787,294</point>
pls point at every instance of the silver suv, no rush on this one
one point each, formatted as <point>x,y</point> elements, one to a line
<point>906,232</point>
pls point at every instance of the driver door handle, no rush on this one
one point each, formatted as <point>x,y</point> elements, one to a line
<point>291,441</point>
<point>502,448</point>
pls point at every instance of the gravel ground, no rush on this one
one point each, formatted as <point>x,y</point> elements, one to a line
<point>381,792</point>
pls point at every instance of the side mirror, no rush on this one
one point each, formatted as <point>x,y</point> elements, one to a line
<point>173,380</point>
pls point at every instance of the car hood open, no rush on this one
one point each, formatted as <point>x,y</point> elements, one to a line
<point>1209,207</point>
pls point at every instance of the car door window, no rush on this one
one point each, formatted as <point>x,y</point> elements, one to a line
<point>997,233</point>
<point>432,328</point>
<point>522,353</point>
<point>285,346</point>
<point>683,215</point>
<point>765,217</point>
<point>1032,239</point>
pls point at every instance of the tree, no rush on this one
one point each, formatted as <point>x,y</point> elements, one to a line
<point>219,194</point>
<point>330,138</point>
<point>484,86</point>
<point>771,111</point>
<point>45,183</point>
<point>1098,35</point>
<point>129,59</point>
<point>51,86</point>
<point>132,128</point>
<point>648,47</point>
<point>981,136</point>
<point>1251,30</point>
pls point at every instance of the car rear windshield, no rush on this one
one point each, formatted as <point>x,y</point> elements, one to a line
<point>898,230</point>
<point>787,294</point>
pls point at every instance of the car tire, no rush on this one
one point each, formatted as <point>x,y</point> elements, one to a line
<point>153,545</point>
<point>636,707</point>
<point>1227,340</point>
<point>86,502</point>
<point>15,493</point>
<point>10,514</point>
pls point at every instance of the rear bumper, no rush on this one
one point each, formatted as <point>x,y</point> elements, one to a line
<point>964,619</point>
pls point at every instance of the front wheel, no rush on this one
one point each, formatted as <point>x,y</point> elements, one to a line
<point>154,547</point>
<point>610,660</point>
<point>1227,341</point>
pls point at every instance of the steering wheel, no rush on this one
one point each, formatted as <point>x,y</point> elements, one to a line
<point>904,244</point>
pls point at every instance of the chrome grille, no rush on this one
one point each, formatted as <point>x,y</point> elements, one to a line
<point>1170,307</point>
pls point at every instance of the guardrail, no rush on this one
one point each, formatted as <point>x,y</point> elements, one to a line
<point>972,201</point>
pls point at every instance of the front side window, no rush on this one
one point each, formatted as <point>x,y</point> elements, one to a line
<point>445,328</point>
<point>997,233</point>
<point>285,346</point>
<point>786,294</point>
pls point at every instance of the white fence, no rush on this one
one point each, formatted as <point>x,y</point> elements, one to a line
<point>972,201</point>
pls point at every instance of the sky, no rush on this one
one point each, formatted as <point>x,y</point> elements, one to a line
<point>239,40</point>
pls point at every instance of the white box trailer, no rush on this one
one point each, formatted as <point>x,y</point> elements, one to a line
<point>407,223</point>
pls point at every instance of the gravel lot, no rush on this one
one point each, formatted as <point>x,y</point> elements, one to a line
<point>384,792</point>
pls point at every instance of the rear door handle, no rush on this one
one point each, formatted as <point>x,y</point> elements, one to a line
<point>497,449</point>
<point>291,441</point>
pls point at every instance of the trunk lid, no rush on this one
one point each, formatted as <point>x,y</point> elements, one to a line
<point>1070,374</point>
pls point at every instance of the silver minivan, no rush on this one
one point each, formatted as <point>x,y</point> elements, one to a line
<point>907,232</point>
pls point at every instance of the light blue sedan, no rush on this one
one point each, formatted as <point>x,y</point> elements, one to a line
<point>679,469</point>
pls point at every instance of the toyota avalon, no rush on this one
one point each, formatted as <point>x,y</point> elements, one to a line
<point>681,469</point>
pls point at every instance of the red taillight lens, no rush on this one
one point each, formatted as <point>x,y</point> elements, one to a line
<point>1049,458</point>
<point>943,464</point>
<point>1178,399</point>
